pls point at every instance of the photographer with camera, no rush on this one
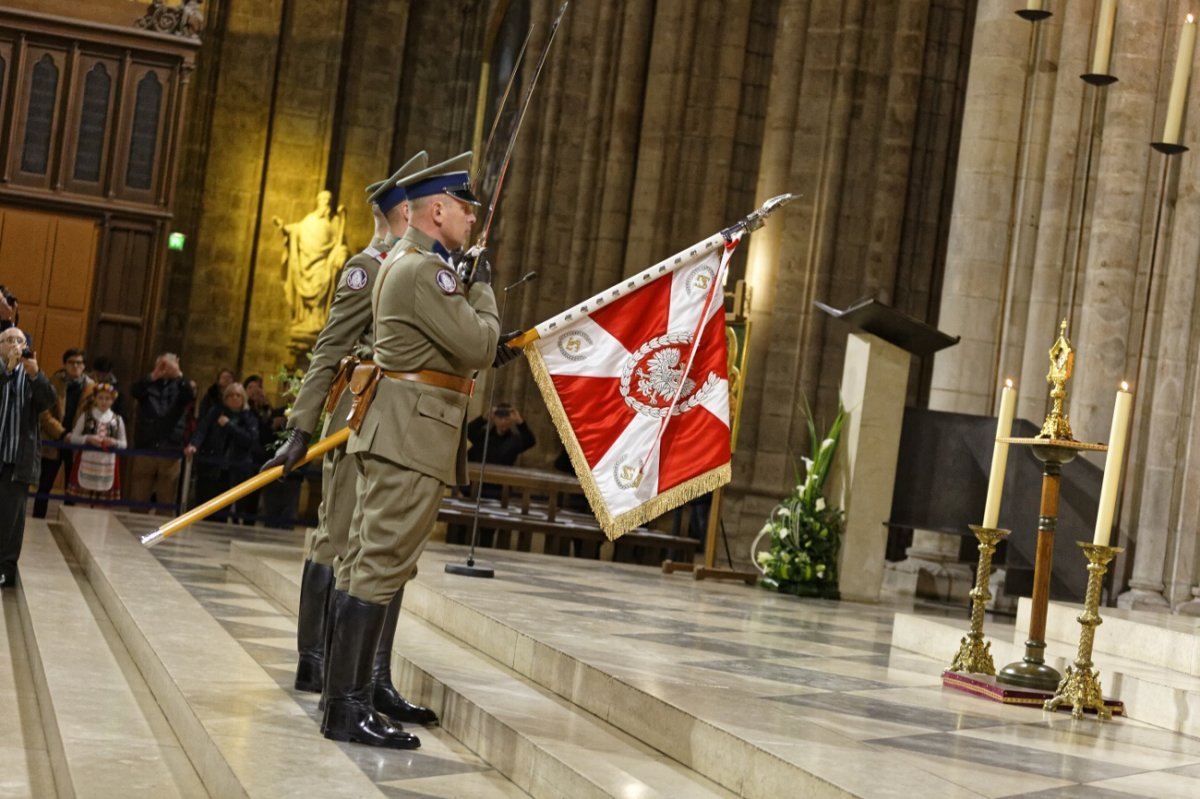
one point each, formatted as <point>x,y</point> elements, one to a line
<point>24,393</point>
<point>509,438</point>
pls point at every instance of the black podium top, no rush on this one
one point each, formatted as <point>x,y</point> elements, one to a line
<point>895,327</point>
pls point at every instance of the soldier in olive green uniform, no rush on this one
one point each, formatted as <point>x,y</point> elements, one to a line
<point>347,332</point>
<point>432,332</point>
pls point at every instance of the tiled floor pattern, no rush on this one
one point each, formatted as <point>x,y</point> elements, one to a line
<point>821,672</point>
<point>442,767</point>
<point>812,675</point>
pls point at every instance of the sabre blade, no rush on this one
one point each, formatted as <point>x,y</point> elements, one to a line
<point>512,141</point>
<point>485,157</point>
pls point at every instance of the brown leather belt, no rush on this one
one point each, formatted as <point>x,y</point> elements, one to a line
<point>341,379</point>
<point>463,385</point>
<point>365,378</point>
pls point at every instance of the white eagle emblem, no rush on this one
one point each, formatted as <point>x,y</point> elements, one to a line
<point>656,370</point>
<point>661,375</point>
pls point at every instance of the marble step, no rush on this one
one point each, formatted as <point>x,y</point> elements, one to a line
<point>105,734</point>
<point>545,745</point>
<point>558,624</point>
<point>1152,694</point>
<point>24,760</point>
<point>244,735</point>
<point>1157,640</point>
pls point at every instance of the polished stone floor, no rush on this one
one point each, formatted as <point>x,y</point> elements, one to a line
<point>749,688</point>
<point>442,767</point>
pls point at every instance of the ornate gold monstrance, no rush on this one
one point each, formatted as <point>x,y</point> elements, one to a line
<point>1062,363</point>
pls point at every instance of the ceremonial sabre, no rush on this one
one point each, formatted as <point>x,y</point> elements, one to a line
<point>481,242</point>
<point>260,480</point>
<point>485,154</point>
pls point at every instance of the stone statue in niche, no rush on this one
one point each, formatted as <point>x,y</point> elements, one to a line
<point>184,19</point>
<point>314,250</point>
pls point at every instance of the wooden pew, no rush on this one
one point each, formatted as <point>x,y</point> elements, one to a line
<point>535,501</point>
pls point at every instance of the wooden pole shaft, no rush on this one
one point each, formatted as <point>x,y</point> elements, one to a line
<point>1047,524</point>
<point>260,480</point>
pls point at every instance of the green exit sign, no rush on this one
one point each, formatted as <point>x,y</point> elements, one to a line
<point>175,241</point>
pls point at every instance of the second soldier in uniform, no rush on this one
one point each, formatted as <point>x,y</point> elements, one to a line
<point>432,332</point>
<point>345,341</point>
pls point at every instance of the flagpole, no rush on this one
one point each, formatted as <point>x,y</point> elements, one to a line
<point>260,480</point>
<point>748,224</point>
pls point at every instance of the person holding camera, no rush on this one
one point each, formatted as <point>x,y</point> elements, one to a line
<point>509,438</point>
<point>24,393</point>
<point>163,398</point>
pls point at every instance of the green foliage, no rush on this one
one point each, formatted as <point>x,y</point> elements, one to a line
<point>803,532</point>
<point>289,381</point>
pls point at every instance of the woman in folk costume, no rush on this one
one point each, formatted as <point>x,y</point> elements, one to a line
<point>95,474</point>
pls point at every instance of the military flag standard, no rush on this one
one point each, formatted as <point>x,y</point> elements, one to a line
<point>636,380</point>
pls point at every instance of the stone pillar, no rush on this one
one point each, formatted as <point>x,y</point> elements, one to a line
<point>874,383</point>
<point>373,78</point>
<point>972,303</point>
<point>1151,499</point>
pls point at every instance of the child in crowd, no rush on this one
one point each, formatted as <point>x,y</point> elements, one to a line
<point>95,474</point>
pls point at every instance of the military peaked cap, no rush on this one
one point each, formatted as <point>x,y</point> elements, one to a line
<point>387,194</point>
<point>449,177</point>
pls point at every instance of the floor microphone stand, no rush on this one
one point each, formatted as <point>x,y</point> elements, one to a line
<point>469,569</point>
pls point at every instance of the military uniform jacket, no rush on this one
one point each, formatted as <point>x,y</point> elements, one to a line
<point>426,319</point>
<point>347,331</point>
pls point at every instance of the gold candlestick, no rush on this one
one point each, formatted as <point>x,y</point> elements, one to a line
<point>974,654</point>
<point>1080,686</point>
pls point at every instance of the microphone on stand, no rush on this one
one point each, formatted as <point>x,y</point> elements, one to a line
<point>469,569</point>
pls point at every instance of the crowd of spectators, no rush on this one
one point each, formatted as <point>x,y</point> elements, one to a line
<point>226,434</point>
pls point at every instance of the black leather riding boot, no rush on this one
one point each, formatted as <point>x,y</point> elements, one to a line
<point>348,712</point>
<point>315,586</point>
<point>387,699</point>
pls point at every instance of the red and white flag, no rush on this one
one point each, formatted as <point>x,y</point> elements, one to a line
<point>636,380</point>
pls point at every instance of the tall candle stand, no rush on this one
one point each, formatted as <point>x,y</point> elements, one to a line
<point>1080,686</point>
<point>974,654</point>
<point>1053,446</point>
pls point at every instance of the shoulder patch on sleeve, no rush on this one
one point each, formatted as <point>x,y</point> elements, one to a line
<point>446,281</point>
<point>357,278</point>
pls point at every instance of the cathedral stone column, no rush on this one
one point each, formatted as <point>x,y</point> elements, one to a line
<point>979,247</point>
<point>1150,499</point>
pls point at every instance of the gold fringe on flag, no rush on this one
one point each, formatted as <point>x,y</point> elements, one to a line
<point>615,526</point>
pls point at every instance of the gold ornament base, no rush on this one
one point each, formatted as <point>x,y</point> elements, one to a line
<point>1080,686</point>
<point>986,687</point>
<point>974,654</point>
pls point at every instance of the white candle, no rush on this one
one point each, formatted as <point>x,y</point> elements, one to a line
<point>1034,5</point>
<point>1104,36</point>
<point>1008,405</point>
<point>1179,84</point>
<point>1112,466</point>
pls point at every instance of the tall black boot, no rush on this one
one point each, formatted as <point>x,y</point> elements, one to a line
<point>328,645</point>
<point>315,586</point>
<point>348,712</point>
<point>387,699</point>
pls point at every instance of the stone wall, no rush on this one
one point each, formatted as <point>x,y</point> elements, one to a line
<point>1063,211</point>
<point>654,125</point>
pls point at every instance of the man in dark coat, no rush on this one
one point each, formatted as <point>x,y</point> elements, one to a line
<point>163,398</point>
<point>24,393</point>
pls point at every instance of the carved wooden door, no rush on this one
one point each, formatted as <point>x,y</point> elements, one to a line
<point>48,260</point>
